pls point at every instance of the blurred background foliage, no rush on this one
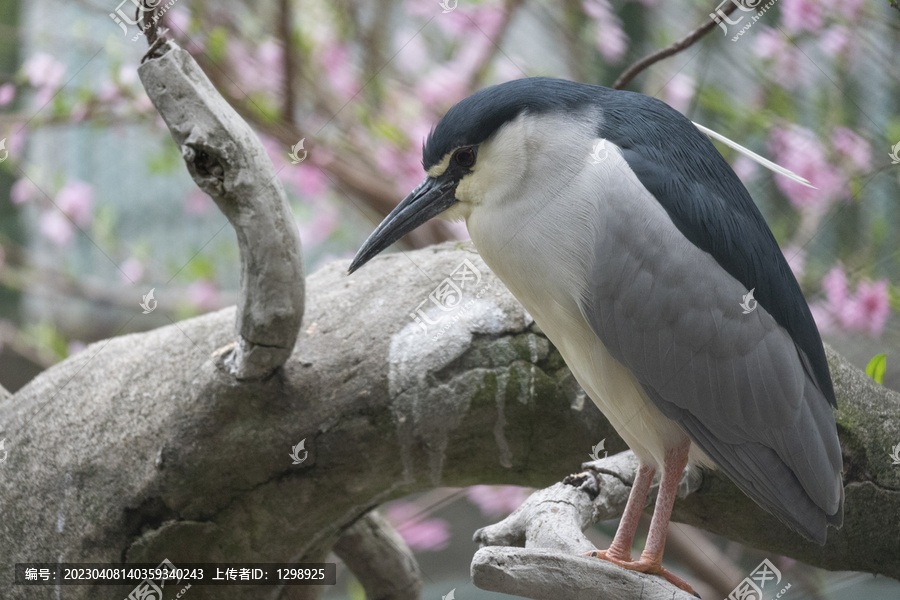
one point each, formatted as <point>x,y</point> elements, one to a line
<point>97,209</point>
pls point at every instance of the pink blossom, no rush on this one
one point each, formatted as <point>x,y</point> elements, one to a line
<point>853,148</point>
<point>76,200</point>
<point>109,91</point>
<point>16,141</point>
<point>836,41</point>
<point>127,76</point>
<point>203,294</point>
<point>56,227</point>
<point>42,70</point>
<point>74,347</point>
<point>611,39</point>
<point>325,220</point>
<point>258,69</point>
<point>851,9</point>
<point>308,180</point>
<point>801,15</point>
<point>456,23</point>
<point>131,271</point>
<point>403,166</point>
<point>22,191</point>
<point>800,150</point>
<point>335,60</point>
<point>826,314</point>
<point>497,500</point>
<point>468,22</point>
<point>745,168</point>
<point>769,43</point>
<point>869,309</point>
<point>835,286</point>
<point>487,19</point>
<point>7,93</point>
<point>442,86</point>
<point>790,65</point>
<point>680,91</point>
<point>178,20</point>
<point>419,533</point>
<point>413,54</point>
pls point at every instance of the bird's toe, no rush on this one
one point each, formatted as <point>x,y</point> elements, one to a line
<point>643,566</point>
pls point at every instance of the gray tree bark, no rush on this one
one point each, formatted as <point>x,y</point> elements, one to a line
<point>149,446</point>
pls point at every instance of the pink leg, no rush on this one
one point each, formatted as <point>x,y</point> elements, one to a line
<point>676,460</point>
<point>651,558</point>
<point>621,544</point>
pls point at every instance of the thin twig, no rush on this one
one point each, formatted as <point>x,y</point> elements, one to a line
<point>685,42</point>
<point>156,38</point>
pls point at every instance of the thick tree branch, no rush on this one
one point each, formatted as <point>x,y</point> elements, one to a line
<point>380,559</point>
<point>167,458</point>
<point>227,161</point>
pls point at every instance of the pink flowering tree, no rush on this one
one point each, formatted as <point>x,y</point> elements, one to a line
<point>342,96</point>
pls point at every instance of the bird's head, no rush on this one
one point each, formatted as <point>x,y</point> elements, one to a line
<point>487,147</point>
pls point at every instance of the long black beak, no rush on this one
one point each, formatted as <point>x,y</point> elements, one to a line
<point>431,198</point>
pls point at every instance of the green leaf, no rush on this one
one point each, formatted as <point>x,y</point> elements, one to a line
<point>876,367</point>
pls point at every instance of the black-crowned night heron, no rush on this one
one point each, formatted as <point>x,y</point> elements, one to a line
<point>633,244</point>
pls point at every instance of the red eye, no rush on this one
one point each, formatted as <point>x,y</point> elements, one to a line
<point>464,157</point>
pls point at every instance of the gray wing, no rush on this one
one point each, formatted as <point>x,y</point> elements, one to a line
<point>737,383</point>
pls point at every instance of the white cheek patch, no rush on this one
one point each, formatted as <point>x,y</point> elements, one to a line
<point>470,189</point>
<point>438,169</point>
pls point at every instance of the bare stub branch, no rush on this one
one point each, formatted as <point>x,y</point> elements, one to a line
<point>550,525</point>
<point>380,559</point>
<point>228,162</point>
<point>545,574</point>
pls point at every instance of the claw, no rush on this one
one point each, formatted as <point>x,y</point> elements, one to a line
<point>644,566</point>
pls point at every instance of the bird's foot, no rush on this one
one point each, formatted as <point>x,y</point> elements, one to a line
<point>644,566</point>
